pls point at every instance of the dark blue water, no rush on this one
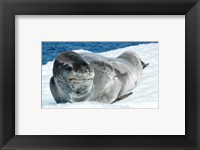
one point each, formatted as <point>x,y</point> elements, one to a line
<point>51,49</point>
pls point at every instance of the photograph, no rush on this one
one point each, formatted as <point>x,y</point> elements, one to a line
<point>100,74</point>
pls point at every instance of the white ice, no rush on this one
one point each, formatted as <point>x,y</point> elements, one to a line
<point>145,95</point>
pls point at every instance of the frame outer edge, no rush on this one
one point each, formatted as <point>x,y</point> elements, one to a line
<point>1,69</point>
<point>198,100</point>
<point>1,75</point>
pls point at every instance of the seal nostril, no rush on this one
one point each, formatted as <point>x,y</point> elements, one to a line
<point>77,92</point>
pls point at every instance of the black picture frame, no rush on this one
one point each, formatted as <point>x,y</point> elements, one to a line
<point>189,8</point>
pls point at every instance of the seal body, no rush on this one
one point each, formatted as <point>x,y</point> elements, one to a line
<point>90,77</point>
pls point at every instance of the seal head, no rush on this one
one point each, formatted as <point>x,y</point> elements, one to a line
<point>72,76</point>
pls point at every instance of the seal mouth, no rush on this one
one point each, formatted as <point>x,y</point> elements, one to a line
<point>79,79</point>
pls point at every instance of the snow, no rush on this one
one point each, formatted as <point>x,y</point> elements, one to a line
<point>145,95</point>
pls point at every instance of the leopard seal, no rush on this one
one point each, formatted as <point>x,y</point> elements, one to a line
<point>87,76</point>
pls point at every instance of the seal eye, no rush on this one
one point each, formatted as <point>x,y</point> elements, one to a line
<point>69,68</point>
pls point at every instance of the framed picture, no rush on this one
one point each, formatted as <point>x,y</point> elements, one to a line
<point>99,74</point>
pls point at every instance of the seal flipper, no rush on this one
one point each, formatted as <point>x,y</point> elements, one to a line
<point>122,97</point>
<point>119,74</point>
<point>54,90</point>
<point>143,64</point>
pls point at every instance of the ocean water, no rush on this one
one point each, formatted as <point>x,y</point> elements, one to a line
<point>145,94</point>
<point>51,49</point>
